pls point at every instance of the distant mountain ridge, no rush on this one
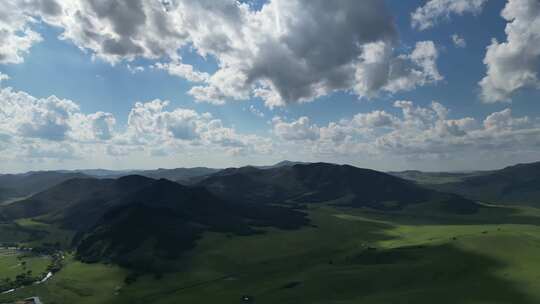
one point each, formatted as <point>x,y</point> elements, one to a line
<point>322,182</point>
<point>18,185</point>
<point>139,222</point>
<point>24,184</point>
<point>518,184</point>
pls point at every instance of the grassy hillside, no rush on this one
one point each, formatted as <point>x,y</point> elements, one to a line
<point>162,221</point>
<point>368,237</point>
<point>348,256</point>
<point>139,222</point>
<point>19,185</point>
<point>322,183</point>
<point>512,185</point>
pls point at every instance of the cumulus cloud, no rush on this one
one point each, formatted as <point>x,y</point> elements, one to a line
<point>514,64</point>
<point>300,129</point>
<point>420,133</point>
<point>28,116</point>
<point>101,125</point>
<point>55,129</point>
<point>504,120</point>
<point>379,70</point>
<point>150,120</point>
<point>16,34</point>
<point>284,52</point>
<point>51,119</point>
<point>458,41</point>
<point>375,119</point>
<point>186,71</point>
<point>433,11</point>
<point>49,128</point>
<point>290,51</point>
<point>3,77</point>
<point>152,124</point>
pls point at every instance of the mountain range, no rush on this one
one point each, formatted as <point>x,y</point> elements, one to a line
<point>138,221</point>
<point>519,184</point>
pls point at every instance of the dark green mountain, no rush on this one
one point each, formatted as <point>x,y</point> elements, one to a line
<point>135,220</point>
<point>139,222</point>
<point>165,219</point>
<point>283,163</point>
<point>321,182</point>
<point>7,193</point>
<point>73,196</point>
<point>18,185</point>
<point>182,175</point>
<point>516,184</point>
<point>431,178</point>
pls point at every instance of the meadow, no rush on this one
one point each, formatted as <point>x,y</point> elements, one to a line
<point>13,263</point>
<point>345,256</point>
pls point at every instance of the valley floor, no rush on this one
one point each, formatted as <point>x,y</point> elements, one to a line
<point>346,256</point>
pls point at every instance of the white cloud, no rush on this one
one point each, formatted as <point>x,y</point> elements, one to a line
<point>16,34</point>
<point>51,119</point>
<point>286,52</point>
<point>36,118</point>
<point>300,129</point>
<point>53,130</point>
<point>514,64</point>
<point>134,69</point>
<point>3,77</point>
<point>503,120</point>
<point>459,41</point>
<point>433,11</point>
<point>375,119</point>
<point>419,134</point>
<point>183,70</point>
<point>379,70</point>
<point>151,120</point>
<point>151,124</point>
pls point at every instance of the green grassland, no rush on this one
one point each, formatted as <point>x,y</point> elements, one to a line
<point>347,256</point>
<point>13,263</point>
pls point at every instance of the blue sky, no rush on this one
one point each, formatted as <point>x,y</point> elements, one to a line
<point>74,69</point>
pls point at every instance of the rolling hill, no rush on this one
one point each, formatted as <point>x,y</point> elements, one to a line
<point>141,223</point>
<point>74,194</point>
<point>134,218</point>
<point>19,185</point>
<point>165,219</point>
<point>320,182</point>
<point>431,178</point>
<point>519,184</point>
<point>183,175</point>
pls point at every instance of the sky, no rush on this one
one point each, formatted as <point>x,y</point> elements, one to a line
<point>434,85</point>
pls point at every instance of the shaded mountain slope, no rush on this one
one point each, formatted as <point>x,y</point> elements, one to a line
<point>17,185</point>
<point>73,196</point>
<point>321,182</point>
<point>165,219</point>
<point>516,184</point>
<point>431,178</point>
<point>183,175</point>
<point>135,220</point>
